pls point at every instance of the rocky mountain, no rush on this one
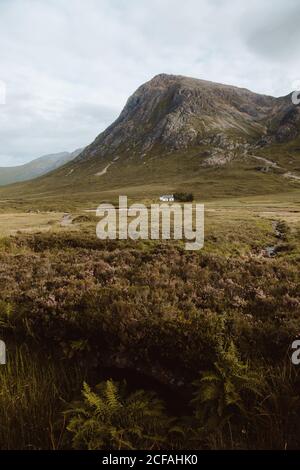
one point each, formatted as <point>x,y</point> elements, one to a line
<point>177,133</point>
<point>37,167</point>
<point>177,112</point>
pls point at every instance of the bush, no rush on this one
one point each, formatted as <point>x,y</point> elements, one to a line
<point>184,197</point>
<point>110,418</point>
<point>227,393</point>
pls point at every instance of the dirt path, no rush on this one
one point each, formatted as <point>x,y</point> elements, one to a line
<point>66,220</point>
<point>291,175</point>
<point>266,161</point>
<point>104,170</point>
<point>270,163</point>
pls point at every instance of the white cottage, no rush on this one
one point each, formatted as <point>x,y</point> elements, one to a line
<point>167,198</point>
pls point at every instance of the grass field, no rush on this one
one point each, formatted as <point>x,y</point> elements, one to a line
<point>220,215</point>
<point>78,186</point>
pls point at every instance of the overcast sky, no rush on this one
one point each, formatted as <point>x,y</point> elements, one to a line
<point>70,65</point>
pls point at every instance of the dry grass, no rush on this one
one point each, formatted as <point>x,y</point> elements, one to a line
<point>12,223</point>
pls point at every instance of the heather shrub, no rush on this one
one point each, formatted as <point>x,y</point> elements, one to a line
<point>168,313</point>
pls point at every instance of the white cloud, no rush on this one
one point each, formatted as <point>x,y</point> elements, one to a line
<point>69,66</point>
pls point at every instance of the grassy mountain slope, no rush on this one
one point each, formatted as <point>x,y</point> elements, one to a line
<point>178,133</point>
<point>35,168</point>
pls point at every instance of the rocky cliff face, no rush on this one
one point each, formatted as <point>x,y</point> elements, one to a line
<point>177,112</point>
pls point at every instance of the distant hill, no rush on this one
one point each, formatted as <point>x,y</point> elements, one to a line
<point>38,167</point>
<point>175,134</point>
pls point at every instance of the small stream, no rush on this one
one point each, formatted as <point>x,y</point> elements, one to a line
<point>272,250</point>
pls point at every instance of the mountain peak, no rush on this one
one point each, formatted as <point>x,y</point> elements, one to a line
<point>177,112</point>
<point>178,131</point>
